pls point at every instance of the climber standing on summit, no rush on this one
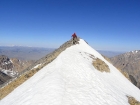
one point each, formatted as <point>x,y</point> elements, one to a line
<point>74,36</point>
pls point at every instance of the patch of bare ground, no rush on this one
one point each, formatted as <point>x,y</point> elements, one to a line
<point>100,65</point>
<point>133,101</point>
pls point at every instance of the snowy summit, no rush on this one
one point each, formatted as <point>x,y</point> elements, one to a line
<point>71,79</point>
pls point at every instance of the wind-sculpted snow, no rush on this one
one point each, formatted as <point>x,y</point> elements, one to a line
<point>71,79</point>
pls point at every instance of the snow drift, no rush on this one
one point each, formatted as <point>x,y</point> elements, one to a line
<point>71,79</point>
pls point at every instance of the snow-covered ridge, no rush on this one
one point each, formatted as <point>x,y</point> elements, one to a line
<point>135,51</point>
<point>71,79</point>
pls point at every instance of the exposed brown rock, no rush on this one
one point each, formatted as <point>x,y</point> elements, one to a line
<point>20,65</point>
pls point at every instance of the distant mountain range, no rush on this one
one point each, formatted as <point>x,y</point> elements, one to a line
<point>24,53</point>
<point>129,62</point>
<point>35,53</point>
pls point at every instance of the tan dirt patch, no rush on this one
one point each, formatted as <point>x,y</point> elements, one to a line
<point>133,101</point>
<point>100,65</point>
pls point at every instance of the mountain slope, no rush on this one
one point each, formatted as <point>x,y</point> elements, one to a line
<point>71,79</point>
<point>10,68</point>
<point>3,77</point>
<point>129,62</point>
<point>6,69</point>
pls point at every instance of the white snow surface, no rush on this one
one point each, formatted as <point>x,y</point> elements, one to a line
<point>37,66</point>
<point>71,79</point>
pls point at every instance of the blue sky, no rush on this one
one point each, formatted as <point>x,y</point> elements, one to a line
<point>112,25</point>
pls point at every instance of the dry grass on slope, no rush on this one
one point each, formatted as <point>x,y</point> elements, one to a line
<point>100,65</point>
<point>133,101</point>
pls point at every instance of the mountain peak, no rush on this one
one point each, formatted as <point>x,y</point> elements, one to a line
<point>72,79</point>
<point>135,51</point>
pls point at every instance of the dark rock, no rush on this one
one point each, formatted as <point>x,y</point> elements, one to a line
<point>3,77</point>
<point>133,80</point>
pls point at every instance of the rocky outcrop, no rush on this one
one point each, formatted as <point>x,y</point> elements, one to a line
<point>129,63</point>
<point>3,77</point>
<point>20,65</point>
<point>5,63</point>
<point>6,67</point>
<point>133,80</point>
<point>9,68</point>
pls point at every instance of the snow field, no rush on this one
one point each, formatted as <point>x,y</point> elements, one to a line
<point>71,79</point>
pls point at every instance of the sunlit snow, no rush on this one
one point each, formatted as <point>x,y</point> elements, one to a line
<point>71,79</point>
